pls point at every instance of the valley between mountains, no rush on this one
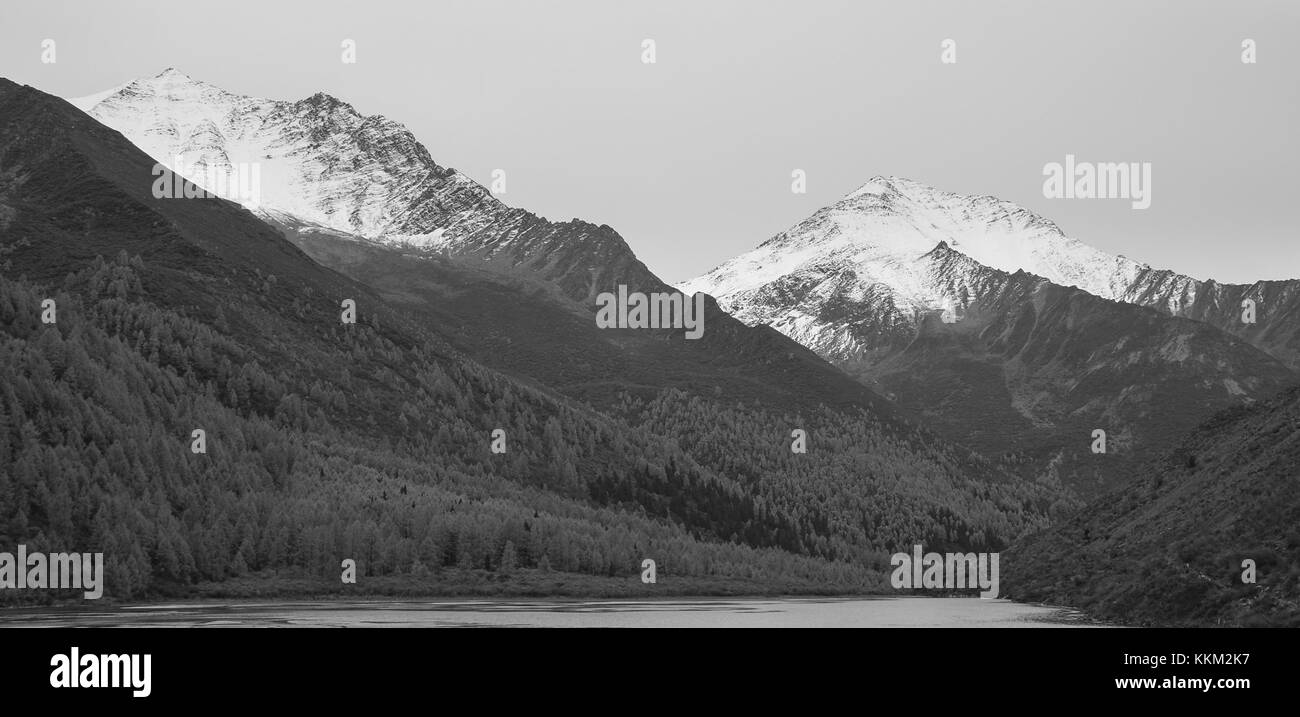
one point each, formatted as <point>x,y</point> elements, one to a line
<point>949,358</point>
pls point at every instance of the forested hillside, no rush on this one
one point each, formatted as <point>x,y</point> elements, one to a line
<point>1172,548</point>
<point>95,422</point>
<point>382,454</point>
<point>861,491</point>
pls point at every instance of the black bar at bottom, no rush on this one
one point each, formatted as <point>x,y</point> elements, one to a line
<point>957,669</point>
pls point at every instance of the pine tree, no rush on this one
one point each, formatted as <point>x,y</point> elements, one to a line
<point>509,557</point>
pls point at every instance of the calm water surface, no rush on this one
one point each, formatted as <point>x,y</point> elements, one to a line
<point>685,612</point>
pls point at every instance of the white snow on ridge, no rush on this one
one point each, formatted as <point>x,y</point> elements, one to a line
<point>883,226</point>
<point>87,103</point>
<point>865,261</point>
<point>863,266</point>
<point>319,162</point>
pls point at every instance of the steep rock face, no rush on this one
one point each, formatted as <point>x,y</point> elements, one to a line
<point>1277,313</point>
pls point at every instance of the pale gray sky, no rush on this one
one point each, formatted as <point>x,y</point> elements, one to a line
<point>690,158</point>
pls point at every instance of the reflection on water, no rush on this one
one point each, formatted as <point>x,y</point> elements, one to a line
<point>699,612</point>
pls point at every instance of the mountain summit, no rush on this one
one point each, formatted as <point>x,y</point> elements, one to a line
<point>989,323</point>
<point>321,162</point>
<point>869,255</point>
<point>327,170</point>
<point>881,236</point>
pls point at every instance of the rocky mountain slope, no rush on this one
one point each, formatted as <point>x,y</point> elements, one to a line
<point>323,165</point>
<point>877,231</point>
<point>362,195</point>
<point>962,310</point>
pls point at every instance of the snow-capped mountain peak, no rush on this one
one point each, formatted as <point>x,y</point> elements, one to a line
<point>318,160</point>
<point>869,257</point>
<point>326,170</point>
<point>170,84</point>
<point>904,217</point>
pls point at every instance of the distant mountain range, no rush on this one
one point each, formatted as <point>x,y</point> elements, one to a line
<point>361,195</point>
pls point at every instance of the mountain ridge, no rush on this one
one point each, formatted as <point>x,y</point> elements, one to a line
<point>896,284</point>
<point>904,218</point>
<point>474,230</point>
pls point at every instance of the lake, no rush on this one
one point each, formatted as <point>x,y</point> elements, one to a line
<point>681,612</point>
